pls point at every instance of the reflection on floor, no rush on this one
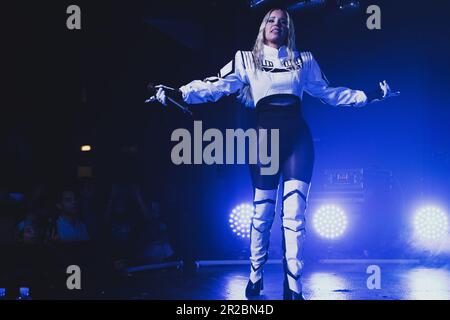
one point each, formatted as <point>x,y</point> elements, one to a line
<point>321,282</point>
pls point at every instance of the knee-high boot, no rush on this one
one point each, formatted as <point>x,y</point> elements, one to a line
<point>295,198</point>
<point>264,205</point>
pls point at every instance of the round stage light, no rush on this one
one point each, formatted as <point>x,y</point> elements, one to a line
<point>241,220</point>
<point>330,222</point>
<point>431,224</point>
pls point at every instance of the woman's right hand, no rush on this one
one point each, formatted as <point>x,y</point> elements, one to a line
<point>161,95</point>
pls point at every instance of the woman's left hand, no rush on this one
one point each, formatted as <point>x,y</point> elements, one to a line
<point>387,92</point>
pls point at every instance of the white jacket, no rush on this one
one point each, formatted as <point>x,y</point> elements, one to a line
<point>275,78</point>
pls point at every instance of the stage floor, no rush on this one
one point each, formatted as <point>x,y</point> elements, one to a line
<point>321,281</point>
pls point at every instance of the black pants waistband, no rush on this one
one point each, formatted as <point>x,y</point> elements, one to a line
<point>279,100</point>
<point>281,107</point>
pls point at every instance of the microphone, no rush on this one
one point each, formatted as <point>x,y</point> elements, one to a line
<point>151,99</point>
<point>152,88</point>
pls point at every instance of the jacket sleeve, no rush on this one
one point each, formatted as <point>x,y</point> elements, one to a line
<point>316,84</point>
<point>230,79</point>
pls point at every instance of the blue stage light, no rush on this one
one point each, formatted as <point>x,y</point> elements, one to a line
<point>241,219</point>
<point>431,224</point>
<point>255,3</point>
<point>306,4</point>
<point>348,4</point>
<point>330,222</point>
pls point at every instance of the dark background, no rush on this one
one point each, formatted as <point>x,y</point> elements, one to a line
<point>66,88</point>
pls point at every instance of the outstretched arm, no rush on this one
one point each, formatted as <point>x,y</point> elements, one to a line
<point>230,79</point>
<point>318,86</point>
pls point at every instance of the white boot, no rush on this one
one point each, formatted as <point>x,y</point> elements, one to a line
<point>264,205</point>
<point>295,198</point>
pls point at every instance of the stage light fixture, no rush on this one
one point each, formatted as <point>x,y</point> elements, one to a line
<point>431,224</point>
<point>240,220</point>
<point>330,222</point>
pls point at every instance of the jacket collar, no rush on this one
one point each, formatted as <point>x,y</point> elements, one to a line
<point>273,52</point>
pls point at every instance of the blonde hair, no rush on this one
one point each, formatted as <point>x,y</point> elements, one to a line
<point>245,96</point>
<point>258,48</point>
